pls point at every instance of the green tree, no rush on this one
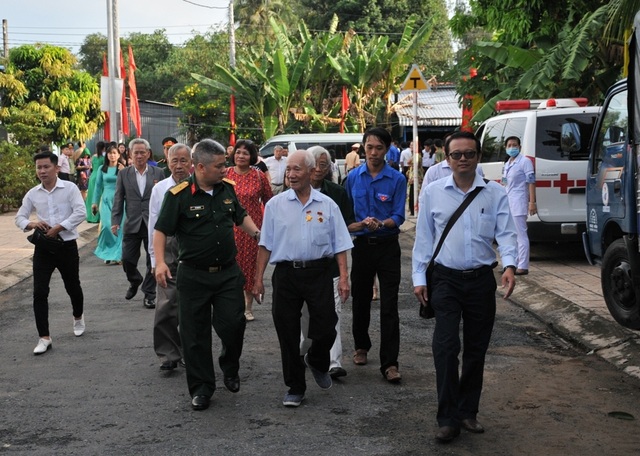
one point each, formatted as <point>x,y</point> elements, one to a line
<point>90,54</point>
<point>387,17</point>
<point>562,50</point>
<point>45,99</point>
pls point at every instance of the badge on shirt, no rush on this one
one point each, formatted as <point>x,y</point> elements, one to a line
<point>196,208</point>
<point>320,219</point>
<point>383,197</point>
<point>308,218</point>
<point>228,201</point>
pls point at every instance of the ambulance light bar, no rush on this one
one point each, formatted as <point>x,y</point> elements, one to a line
<point>523,105</point>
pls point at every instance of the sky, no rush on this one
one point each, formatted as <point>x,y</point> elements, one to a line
<point>66,22</point>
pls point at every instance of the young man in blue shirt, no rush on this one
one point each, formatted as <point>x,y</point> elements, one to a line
<point>378,193</point>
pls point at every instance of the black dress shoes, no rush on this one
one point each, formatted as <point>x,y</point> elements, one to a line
<point>168,365</point>
<point>132,291</point>
<point>336,372</point>
<point>200,402</point>
<point>149,303</point>
<point>472,425</point>
<point>232,383</point>
<point>447,433</point>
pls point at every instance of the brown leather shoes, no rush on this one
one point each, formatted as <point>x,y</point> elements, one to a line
<point>472,425</point>
<point>392,375</point>
<point>360,357</point>
<point>447,433</point>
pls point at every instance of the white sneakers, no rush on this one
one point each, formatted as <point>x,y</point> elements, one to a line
<point>43,346</point>
<point>79,326</point>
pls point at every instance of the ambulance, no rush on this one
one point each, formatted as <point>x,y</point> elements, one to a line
<point>555,135</point>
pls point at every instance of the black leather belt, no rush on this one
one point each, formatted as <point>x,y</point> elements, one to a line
<point>321,263</point>
<point>375,240</point>
<point>212,268</point>
<point>281,183</point>
<point>466,274</point>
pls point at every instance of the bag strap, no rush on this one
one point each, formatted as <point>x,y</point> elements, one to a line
<point>456,215</point>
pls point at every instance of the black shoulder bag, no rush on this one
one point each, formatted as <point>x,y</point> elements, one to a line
<point>427,311</point>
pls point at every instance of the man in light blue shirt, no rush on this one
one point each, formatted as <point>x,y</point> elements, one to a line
<point>463,285</point>
<point>303,230</point>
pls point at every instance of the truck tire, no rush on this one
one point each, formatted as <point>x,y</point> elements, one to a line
<point>617,286</point>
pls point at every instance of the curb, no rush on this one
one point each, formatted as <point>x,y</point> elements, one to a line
<point>582,327</point>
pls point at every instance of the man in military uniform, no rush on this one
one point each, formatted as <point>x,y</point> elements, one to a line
<point>201,212</point>
<point>164,162</point>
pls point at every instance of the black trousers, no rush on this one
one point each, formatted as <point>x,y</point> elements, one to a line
<point>130,256</point>
<point>474,301</point>
<point>207,299</point>
<point>367,261</point>
<point>67,261</point>
<point>291,289</point>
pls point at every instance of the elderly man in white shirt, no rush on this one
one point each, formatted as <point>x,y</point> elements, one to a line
<point>60,209</point>
<point>277,165</point>
<point>166,337</point>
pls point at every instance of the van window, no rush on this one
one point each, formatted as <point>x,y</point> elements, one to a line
<point>611,138</point>
<point>495,134</point>
<point>267,151</point>
<point>340,149</point>
<point>564,137</point>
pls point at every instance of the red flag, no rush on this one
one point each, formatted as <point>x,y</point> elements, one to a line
<point>345,108</point>
<point>232,117</point>
<point>467,113</point>
<point>133,95</point>
<point>125,117</point>
<point>105,72</point>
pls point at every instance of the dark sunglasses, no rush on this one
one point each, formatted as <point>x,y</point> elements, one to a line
<point>469,154</point>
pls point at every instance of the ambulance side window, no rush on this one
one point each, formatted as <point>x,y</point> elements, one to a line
<point>492,141</point>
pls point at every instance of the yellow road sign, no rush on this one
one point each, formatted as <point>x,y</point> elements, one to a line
<point>415,80</point>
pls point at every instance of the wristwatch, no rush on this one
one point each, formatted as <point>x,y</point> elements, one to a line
<point>256,236</point>
<point>509,267</point>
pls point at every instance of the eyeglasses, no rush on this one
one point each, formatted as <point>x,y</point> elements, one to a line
<point>468,154</point>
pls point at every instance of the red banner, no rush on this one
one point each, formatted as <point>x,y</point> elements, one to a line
<point>133,95</point>
<point>345,108</point>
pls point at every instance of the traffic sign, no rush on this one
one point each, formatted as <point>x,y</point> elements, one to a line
<point>415,80</point>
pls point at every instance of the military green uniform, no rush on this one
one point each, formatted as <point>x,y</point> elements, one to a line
<point>209,282</point>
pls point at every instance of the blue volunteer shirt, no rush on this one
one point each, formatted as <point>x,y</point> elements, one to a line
<point>383,197</point>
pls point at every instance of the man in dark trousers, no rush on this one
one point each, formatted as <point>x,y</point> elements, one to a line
<point>60,209</point>
<point>304,235</point>
<point>201,212</point>
<point>378,194</point>
<point>463,284</point>
<point>133,192</point>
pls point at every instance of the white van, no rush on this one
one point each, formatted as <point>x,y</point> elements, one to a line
<point>555,135</point>
<point>340,143</point>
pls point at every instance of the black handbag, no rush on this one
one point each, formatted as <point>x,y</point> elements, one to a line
<point>426,311</point>
<point>40,239</point>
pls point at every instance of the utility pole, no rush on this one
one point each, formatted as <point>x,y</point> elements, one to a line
<point>112,47</point>
<point>232,37</point>
<point>5,38</point>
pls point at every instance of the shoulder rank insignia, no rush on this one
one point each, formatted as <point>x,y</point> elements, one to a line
<point>179,187</point>
<point>229,181</point>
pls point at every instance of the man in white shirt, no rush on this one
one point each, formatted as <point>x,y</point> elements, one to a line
<point>166,338</point>
<point>60,209</point>
<point>63,163</point>
<point>405,157</point>
<point>277,165</point>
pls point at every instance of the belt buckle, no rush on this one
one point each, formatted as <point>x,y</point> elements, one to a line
<point>215,268</point>
<point>297,264</point>
<point>469,273</point>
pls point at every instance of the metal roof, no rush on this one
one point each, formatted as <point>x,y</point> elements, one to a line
<point>438,108</point>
